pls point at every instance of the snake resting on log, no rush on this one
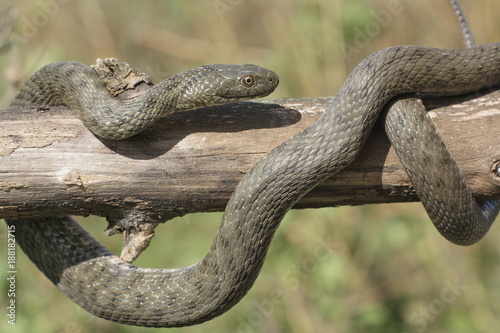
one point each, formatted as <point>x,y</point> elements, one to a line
<point>104,285</point>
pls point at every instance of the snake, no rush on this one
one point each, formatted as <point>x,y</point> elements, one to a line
<point>387,80</point>
<point>78,87</point>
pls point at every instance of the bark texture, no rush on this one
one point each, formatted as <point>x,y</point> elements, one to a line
<point>50,164</point>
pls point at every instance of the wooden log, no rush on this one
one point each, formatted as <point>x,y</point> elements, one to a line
<point>191,162</point>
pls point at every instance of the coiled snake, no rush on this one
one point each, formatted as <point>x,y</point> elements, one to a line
<point>78,87</point>
<point>110,288</point>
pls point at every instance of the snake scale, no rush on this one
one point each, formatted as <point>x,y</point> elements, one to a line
<point>106,286</point>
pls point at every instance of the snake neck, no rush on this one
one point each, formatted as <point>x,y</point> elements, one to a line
<point>79,88</point>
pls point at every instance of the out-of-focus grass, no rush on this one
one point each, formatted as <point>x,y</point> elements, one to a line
<point>376,268</point>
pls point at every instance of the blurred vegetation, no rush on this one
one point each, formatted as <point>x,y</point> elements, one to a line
<point>380,268</point>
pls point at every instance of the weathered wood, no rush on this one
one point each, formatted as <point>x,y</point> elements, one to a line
<point>191,162</point>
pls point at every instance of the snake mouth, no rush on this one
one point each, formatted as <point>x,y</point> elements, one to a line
<point>263,94</point>
<point>228,98</point>
<point>255,94</point>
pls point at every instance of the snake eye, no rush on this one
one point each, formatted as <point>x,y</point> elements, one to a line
<point>248,80</point>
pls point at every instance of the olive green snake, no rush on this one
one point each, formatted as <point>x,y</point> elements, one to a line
<point>112,289</point>
<point>78,87</point>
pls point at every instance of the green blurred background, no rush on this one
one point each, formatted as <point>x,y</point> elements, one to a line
<point>379,268</point>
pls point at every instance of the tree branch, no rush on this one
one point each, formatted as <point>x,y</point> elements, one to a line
<point>191,162</point>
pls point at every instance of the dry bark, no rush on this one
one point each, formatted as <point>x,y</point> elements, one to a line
<point>191,162</point>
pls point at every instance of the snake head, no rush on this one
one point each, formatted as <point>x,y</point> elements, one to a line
<point>218,84</point>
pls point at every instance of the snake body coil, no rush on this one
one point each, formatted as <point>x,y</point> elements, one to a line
<point>78,87</point>
<point>107,287</point>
